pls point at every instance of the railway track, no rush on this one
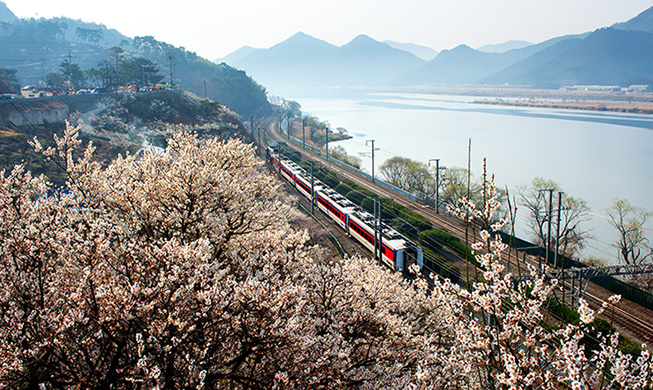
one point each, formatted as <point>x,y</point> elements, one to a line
<point>634,326</point>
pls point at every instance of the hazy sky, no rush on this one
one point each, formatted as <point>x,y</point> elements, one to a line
<point>215,28</point>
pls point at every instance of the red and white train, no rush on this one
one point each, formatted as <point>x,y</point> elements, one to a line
<point>397,251</point>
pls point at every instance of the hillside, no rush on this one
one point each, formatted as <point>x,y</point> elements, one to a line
<point>37,47</point>
<point>641,22</point>
<point>606,57</point>
<point>6,16</point>
<point>114,123</point>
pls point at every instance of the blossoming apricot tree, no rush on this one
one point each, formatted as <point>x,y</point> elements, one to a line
<point>179,270</point>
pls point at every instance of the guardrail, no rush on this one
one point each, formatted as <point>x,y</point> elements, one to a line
<point>632,293</point>
<point>342,164</point>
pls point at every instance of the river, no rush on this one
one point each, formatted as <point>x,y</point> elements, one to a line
<point>595,156</point>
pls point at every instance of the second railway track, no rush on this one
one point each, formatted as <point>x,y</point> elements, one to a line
<point>633,325</point>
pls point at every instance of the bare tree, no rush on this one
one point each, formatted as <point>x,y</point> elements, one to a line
<point>453,185</point>
<point>634,247</point>
<point>573,212</point>
<point>409,175</point>
<point>395,171</point>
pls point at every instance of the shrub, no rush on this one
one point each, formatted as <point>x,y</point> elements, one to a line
<point>356,197</point>
<point>432,239</point>
<point>407,229</point>
<point>343,189</point>
<point>368,205</point>
<point>329,178</point>
<point>351,183</point>
<point>293,155</point>
<point>432,261</point>
<point>450,271</point>
<point>461,249</point>
<point>565,312</point>
<point>420,223</point>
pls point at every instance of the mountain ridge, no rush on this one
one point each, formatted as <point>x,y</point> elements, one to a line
<point>366,62</point>
<point>504,47</point>
<point>642,22</point>
<point>6,15</point>
<point>424,52</point>
<point>302,60</point>
<point>607,56</point>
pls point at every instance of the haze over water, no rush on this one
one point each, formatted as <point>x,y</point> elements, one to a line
<point>596,156</point>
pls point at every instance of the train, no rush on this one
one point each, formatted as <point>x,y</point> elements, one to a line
<point>397,252</point>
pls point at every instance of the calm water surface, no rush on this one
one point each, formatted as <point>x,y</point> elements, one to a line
<point>596,156</point>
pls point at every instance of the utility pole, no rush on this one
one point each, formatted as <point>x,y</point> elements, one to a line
<point>376,226</point>
<point>555,255</point>
<point>327,147</point>
<point>206,91</point>
<point>548,218</point>
<point>437,183</point>
<point>366,143</point>
<point>312,191</point>
<point>171,71</point>
<point>70,68</point>
<point>304,132</point>
<point>558,231</point>
<point>380,223</point>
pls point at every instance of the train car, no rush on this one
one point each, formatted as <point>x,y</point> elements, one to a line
<point>396,251</point>
<point>338,211</point>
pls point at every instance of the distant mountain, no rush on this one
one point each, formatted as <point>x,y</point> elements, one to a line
<point>6,15</point>
<point>298,61</point>
<point>606,57</point>
<point>303,61</point>
<point>521,73</point>
<point>641,22</point>
<point>236,55</point>
<point>464,65</point>
<point>423,52</point>
<point>365,61</point>
<point>460,65</point>
<point>504,47</point>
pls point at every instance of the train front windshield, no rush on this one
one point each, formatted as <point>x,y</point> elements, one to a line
<point>411,257</point>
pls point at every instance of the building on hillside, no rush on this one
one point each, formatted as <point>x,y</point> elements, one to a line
<point>31,92</point>
<point>636,88</point>
<point>591,88</point>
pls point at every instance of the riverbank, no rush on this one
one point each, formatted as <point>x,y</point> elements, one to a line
<point>316,137</point>
<point>579,95</point>
<point>633,108</point>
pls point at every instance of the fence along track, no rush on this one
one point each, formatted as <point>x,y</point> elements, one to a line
<point>622,318</point>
